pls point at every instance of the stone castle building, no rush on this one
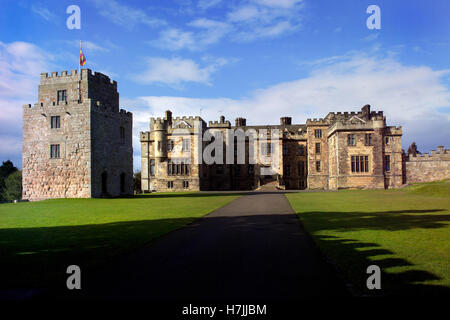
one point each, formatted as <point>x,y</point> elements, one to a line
<point>77,143</point>
<point>342,150</point>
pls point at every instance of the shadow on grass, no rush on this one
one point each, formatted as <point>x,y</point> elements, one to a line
<point>385,220</point>
<point>35,257</point>
<point>353,256</point>
<point>38,257</point>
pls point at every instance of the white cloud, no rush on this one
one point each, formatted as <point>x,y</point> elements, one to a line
<point>206,4</point>
<point>20,66</point>
<point>265,18</point>
<point>126,16</point>
<point>175,71</point>
<point>204,32</point>
<point>43,12</point>
<point>411,96</point>
<point>278,3</point>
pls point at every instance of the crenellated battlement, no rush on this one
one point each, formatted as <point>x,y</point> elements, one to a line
<point>317,121</point>
<point>144,136</point>
<point>64,76</point>
<point>394,130</point>
<point>440,154</point>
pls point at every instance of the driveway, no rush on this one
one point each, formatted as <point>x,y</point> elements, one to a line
<point>254,248</point>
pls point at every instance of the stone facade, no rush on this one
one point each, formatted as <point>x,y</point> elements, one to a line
<point>342,150</point>
<point>428,167</point>
<point>77,143</point>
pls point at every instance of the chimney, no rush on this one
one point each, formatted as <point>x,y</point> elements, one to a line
<point>285,120</point>
<point>366,112</point>
<point>241,122</point>
<point>169,116</point>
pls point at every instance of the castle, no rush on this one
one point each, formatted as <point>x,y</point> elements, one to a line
<point>342,150</point>
<point>77,143</point>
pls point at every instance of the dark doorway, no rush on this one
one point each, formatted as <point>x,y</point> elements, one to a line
<point>104,183</point>
<point>122,182</point>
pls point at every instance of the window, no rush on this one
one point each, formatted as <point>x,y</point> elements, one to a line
<point>169,184</point>
<point>368,139</point>
<point>251,169</point>
<point>301,184</point>
<point>387,163</point>
<point>122,132</point>
<point>287,170</point>
<point>351,139</point>
<point>170,145</point>
<point>318,147</point>
<point>152,167</point>
<point>186,145</point>
<point>55,122</point>
<point>159,145</point>
<point>360,163</point>
<point>178,168</point>
<point>318,133</point>
<point>318,169</point>
<point>54,151</point>
<point>301,150</point>
<point>266,148</point>
<point>185,184</point>
<point>62,96</point>
<point>285,149</point>
<point>386,140</point>
<point>237,171</point>
<point>301,168</point>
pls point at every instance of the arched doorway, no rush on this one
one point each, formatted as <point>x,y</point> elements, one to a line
<point>104,183</point>
<point>122,182</point>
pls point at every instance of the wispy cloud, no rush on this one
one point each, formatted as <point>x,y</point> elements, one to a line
<point>43,12</point>
<point>126,16</point>
<point>176,71</point>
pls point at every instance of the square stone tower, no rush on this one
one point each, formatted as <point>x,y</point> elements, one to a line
<point>77,143</point>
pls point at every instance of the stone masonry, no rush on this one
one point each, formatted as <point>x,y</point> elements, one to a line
<point>77,143</point>
<point>342,150</point>
<point>428,167</point>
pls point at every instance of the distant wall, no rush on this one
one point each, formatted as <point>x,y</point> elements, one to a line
<point>428,167</point>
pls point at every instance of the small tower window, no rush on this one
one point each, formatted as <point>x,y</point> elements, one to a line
<point>122,132</point>
<point>62,96</point>
<point>318,147</point>
<point>54,151</point>
<point>55,122</point>
<point>318,169</point>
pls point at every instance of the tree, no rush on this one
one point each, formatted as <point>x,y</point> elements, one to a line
<point>412,150</point>
<point>137,182</point>
<point>13,186</point>
<point>6,169</point>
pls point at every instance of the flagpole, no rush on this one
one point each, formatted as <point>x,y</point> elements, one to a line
<point>79,76</point>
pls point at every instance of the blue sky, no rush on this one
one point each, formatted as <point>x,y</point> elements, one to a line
<point>260,59</point>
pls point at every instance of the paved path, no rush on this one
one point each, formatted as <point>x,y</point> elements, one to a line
<point>254,248</point>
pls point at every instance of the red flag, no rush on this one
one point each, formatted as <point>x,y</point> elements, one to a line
<point>82,58</point>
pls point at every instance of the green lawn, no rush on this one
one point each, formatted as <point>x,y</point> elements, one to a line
<point>38,240</point>
<point>406,232</point>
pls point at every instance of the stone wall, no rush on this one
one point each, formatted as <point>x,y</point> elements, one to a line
<point>89,138</point>
<point>428,167</point>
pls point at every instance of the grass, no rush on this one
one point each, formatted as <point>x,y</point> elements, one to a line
<point>406,232</point>
<point>38,240</point>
